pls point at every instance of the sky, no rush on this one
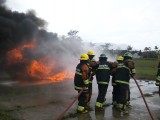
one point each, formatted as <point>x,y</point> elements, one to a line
<point>132,22</point>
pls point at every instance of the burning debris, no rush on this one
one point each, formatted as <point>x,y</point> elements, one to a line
<point>30,53</point>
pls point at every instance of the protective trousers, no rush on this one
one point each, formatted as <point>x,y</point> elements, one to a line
<point>114,94</point>
<point>90,91</point>
<point>122,94</point>
<point>82,99</point>
<point>128,96</point>
<point>102,92</point>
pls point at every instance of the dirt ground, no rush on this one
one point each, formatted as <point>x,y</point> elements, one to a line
<point>48,101</point>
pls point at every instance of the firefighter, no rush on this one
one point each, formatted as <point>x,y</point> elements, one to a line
<point>130,63</point>
<point>114,93</point>
<point>92,65</point>
<point>103,77</point>
<point>158,77</point>
<point>122,76</point>
<point>81,81</point>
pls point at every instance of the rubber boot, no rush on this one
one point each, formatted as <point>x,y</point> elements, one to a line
<point>99,106</point>
<point>81,109</point>
<point>123,109</point>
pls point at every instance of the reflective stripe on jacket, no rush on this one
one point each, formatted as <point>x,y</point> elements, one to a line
<point>79,80</point>
<point>103,72</point>
<point>122,74</point>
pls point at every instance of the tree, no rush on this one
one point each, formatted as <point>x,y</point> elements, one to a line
<point>149,48</point>
<point>72,42</point>
<point>72,33</point>
<point>105,47</point>
<point>129,48</point>
<point>157,51</point>
<point>146,49</point>
<point>140,53</point>
<point>156,48</point>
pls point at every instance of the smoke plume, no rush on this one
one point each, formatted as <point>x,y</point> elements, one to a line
<point>26,48</point>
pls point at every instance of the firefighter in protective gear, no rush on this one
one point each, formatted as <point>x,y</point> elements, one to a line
<point>92,65</point>
<point>128,59</point>
<point>158,77</point>
<point>91,54</point>
<point>103,76</point>
<point>115,90</point>
<point>81,81</point>
<point>122,76</point>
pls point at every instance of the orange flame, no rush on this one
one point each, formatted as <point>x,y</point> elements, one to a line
<point>14,56</point>
<point>43,69</point>
<point>44,72</point>
<point>37,70</point>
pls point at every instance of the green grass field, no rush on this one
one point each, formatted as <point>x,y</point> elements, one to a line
<point>146,68</point>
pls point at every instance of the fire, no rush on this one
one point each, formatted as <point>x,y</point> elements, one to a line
<point>14,56</point>
<point>37,70</point>
<point>61,76</point>
<point>41,69</point>
<point>44,72</point>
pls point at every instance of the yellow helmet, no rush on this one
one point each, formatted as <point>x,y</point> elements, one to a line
<point>90,52</point>
<point>120,58</point>
<point>84,57</point>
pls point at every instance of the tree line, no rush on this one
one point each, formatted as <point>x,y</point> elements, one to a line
<point>72,37</point>
<point>147,52</point>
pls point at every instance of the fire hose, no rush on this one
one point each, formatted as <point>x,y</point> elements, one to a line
<point>70,105</point>
<point>143,98</point>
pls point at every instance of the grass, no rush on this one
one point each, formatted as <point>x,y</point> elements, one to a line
<point>5,115</point>
<point>146,68</point>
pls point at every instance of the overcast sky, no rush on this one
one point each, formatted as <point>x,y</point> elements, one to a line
<point>133,22</point>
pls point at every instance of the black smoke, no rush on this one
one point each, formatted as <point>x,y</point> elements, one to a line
<point>18,28</point>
